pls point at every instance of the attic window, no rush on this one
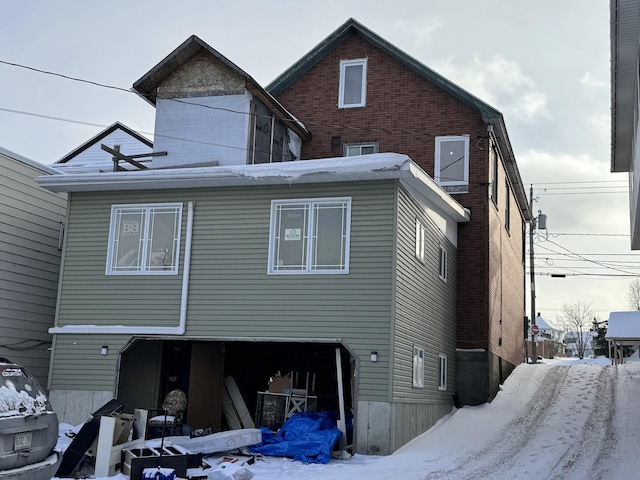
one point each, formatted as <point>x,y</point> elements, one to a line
<point>353,83</point>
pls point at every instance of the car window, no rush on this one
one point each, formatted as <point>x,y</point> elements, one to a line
<point>20,393</point>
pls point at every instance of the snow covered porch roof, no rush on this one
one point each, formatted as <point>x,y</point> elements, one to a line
<point>624,328</point>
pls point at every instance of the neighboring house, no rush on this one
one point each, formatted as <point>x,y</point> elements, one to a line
<point>549,341</point>
<point>359,94</point>
<point>251,263</point>
<point>90,156</point>
<point>625,102</point>
<point>575,342</point>
<point>31,224</point>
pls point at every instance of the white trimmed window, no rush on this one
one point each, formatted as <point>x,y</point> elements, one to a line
<point>310,236</point>
<point>418,367</point>
<point>420,241</point>
<point>353,81</point>
<point>442,372</point>
<point>452,163</point>
<point>360,148</point>
<point>144,239</point>
<point>443,264</point>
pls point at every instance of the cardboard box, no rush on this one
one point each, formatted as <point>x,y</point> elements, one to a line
<point>280,384</point>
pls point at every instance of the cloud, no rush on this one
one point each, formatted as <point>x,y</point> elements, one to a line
<point>501,83</point>
<point>590,81</point>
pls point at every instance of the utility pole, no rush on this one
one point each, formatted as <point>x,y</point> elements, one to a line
<point>532,227</point>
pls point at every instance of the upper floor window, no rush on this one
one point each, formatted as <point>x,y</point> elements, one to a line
<point>360,148</point>
<point>353,81</point>
<point>310,236</point>
<point>452,163</point>
<point>443,270</point>
<point>507,207</point>
<point>144,239</point>
<point>420,240</point>
<point>493,155</point>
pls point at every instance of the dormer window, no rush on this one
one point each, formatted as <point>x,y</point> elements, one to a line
<point>353,80</point>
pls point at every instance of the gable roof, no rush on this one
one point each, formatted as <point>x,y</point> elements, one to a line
<point>624,327</point>
<point>490,115</point>
<point>147,85</point>
<point>101,136</point>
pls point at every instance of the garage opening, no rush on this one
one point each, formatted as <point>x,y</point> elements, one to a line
<point>151,368</point>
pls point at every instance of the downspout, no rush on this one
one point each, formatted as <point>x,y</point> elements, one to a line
<point>132,330</point>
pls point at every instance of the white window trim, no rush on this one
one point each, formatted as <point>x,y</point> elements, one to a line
<point>361,145</point>
<point>443,365</point>
<point>439,141</point>
<point>421,232</point>
<point>443,264</point>
<point>363,88</point>
<point>418,366</point>
<point>112,231</point>
<point>309,270</point>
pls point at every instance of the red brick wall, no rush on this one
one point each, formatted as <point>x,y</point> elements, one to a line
<point>404,113</point>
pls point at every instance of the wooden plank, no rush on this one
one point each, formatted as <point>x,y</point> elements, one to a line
<point>230,412</point>
<point>238,402</point>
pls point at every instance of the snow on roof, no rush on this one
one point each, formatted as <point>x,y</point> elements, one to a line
<point>381,166</point>
<point>624,326</point>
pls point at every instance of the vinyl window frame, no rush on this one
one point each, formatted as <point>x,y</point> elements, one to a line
<point>144,264</point>
<point>443,180</point>
<point>443,365</point>
<point>443,264</point>
<point>359,146</point>
<point>421,234</point>
<point>345,83</point>
<point>418,367</point>
<point>308,235</point>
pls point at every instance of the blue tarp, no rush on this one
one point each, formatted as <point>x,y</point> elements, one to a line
<point>306,436</point>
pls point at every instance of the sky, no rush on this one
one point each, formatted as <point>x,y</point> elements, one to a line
<point>564,419</point>
<point>544,64</point>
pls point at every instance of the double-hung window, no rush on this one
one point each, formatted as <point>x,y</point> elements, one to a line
<point>144,239</point>
<point>310,236</point>
<point>353,83</point>
<point>452,163</point>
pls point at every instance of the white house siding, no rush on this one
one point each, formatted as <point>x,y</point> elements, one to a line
<point>202,129</point>
<point>29,262</point>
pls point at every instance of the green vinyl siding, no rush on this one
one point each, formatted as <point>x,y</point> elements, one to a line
<point>230,293</point>
<point>425,306</point>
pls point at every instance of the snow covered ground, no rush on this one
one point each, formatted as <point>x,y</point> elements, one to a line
<point>563,419</point>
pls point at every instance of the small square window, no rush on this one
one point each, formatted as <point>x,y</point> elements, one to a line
<point>418,367</point>
<point>443,267</point>
<point>420,241</point>
<point>452,163</point>
<point>144,239</point>
<point>442,372</point>
<point>310,236</point>
<point>353,81</point>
